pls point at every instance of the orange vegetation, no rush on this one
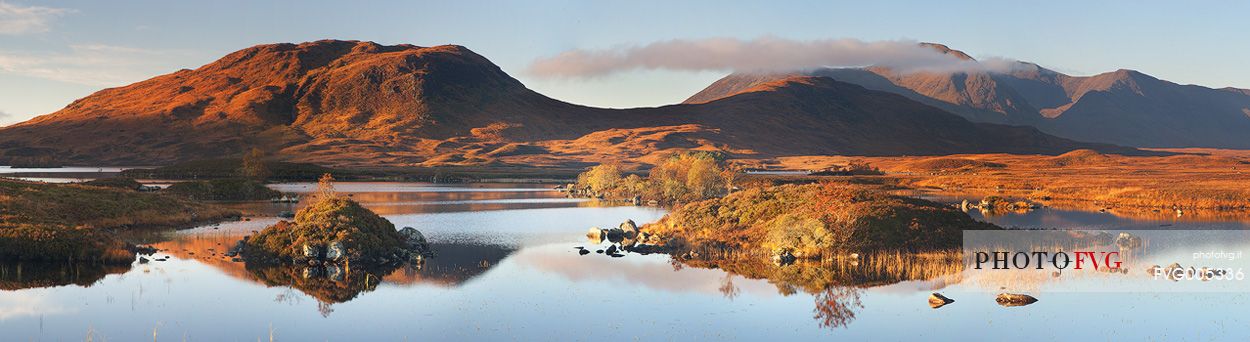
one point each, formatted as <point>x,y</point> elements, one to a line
<point>1081,178</point>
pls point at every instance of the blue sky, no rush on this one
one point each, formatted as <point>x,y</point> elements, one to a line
<point>52,52</point>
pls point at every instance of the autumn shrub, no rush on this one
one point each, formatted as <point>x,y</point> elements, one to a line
<point>601,179</point>
<point>682,177</point>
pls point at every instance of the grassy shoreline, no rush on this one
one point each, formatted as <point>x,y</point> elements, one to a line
<point>72,222</point>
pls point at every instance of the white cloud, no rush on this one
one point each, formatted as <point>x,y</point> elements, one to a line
<point>18,19</point>
<point>15,305</point>
<point>94,64</point>
<point>754,55</point>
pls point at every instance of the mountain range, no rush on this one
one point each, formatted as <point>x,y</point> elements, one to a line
<point>1123,107</point>
<point>361,103</point>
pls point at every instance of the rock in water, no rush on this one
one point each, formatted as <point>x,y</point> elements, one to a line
<point>629,228</point>
<point>615,235</point>
<point>415,240</point>
<point>1013,299</point>
<point>611,249</point>
<point>596,235</point>
<point>937,300</point>
<point>583,251</point>
<point>336,251</point>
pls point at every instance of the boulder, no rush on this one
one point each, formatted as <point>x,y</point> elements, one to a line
<point>286,214</point>
<point>611,249</point>
<point>1171,271</point>
<point>596,234</point>
<point>630,229</point>
<point>1013,299</point>
<point>311,252</point>
<point>937,300</point>
<point>615,235</point>
<point>415,240</point>
<point>336,251</point>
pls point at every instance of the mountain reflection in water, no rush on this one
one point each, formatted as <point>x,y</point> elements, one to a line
<point>507,268</point>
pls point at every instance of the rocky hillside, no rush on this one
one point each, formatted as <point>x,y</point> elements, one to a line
<point>360,103</point>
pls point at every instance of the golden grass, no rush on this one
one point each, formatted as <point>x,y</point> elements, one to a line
<point>58,222</point>
<point>1084,179</point>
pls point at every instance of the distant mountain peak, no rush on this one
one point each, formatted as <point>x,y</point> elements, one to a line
<point>947,50</point>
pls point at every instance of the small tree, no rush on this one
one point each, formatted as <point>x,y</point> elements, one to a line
<point>602,178</point>
<point>325,187</point>
<point>254,165</point>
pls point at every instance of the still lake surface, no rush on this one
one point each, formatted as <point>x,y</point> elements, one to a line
<point>506,269</point>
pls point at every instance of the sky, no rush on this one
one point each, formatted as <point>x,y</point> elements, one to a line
<point>53,52</point>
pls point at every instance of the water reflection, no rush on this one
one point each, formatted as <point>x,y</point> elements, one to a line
<point>835,285</point>
<point>26,275</point>
<point>506,268</point>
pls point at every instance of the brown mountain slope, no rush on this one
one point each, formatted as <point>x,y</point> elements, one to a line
<point>1131,108</point>
<point>976,95</point>
<point>360,103</point>
<point>1123,107</point>
<point>843,118</point>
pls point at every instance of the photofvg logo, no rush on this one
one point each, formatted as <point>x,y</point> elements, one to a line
<point>1102,261</point>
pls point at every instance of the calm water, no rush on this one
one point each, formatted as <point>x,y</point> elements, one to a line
<point>507,270</point>
<point>68,174</point>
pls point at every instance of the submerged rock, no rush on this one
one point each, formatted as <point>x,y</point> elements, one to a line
<point>937,300</point>
<point>1013,299</point>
